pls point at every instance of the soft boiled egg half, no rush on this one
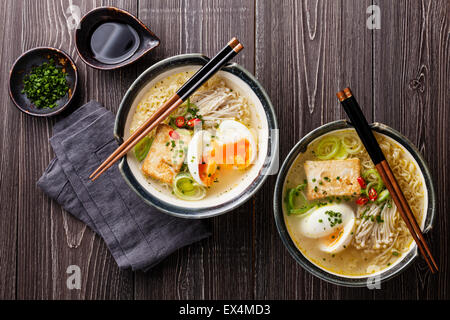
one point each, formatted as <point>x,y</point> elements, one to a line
<point>233,146</point>
<point>331,225</point>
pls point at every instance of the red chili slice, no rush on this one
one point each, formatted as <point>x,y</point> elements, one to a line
<point>373,195</point>
<point>180,122</point>
<point>362,201</point>
<point>191,123</point>
<point>174,135</point>
<point>362,182</point>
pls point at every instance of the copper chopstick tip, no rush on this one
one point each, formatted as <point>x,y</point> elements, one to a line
<point>238,48</point>
<point>341,96</point>
<point>233,42</point>
<point>348,92</point>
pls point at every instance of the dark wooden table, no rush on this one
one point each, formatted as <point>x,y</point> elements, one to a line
<point>302,52</point>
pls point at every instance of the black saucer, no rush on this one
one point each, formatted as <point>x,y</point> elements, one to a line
<point>95,17</point>
<point>33,58</point>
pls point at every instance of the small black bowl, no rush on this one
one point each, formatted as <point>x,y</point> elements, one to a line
<point>33,58</point>
<point>98,16</point>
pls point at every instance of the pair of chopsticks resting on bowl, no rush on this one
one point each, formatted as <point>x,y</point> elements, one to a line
<point>200,77</point>
<point>358,120</point>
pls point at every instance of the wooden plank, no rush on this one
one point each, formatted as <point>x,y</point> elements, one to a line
<point>220,267</point>
<point>9,160</point>
<point>306,51</point>
<point>411,94</point>
<point>50,239</point>
<point>302,52</point>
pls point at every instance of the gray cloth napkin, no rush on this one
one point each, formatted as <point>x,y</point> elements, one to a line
<point>138,235</point>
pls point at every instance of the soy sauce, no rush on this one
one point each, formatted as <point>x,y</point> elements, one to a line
<point>114,42</point>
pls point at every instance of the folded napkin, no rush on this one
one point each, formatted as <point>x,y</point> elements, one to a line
<point>138,235</point>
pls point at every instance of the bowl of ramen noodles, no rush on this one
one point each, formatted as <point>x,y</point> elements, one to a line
<point>335,215</point>
<point>212,153</point>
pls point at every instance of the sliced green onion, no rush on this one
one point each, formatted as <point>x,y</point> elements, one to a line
<point>379,181</point>
<point>302,210</point>
<point>342,153</point>
<point>186,185</point>
<point>142,148</point>
<point>291,193</point>
<point>367,173</point>
<point>383,196</point>
<point>45,84</point>
<point>327,148</point>
<point>351,144</point>
<point>186,188</point>
<point>294,206</point>
<point>304,206</point>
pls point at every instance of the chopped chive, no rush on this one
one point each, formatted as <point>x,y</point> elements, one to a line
<point>45,85</point>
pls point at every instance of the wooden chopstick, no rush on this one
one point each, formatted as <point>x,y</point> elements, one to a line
<point>364,131</point>
<point>405,212</point>
<point>130,143</point>
<point>151,122</point>
<point>200,77</point>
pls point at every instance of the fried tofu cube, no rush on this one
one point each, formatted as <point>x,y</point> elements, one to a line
<point>332,178</point>
<point>166,155</point>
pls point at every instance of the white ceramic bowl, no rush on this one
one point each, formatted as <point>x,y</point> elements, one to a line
<point>263,114</point>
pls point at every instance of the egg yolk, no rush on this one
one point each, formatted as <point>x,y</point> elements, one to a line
<point>233,154</point>
<point>333,238</point>
<point>207,170</point>
<point>230,155</point>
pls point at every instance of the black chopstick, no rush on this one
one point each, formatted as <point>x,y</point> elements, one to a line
<point>354,112</point>
<point>209,69</point>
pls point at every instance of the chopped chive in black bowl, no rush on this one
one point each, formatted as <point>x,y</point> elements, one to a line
<point>45,84</point>
<point>43,81</point>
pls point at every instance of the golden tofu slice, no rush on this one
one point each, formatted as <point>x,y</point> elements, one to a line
<point>332,178</point>
<point>166,155</point>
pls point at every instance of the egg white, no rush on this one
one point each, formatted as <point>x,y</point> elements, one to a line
<point>199,145</point>
<point>316,225</point>
<point>230,131</point>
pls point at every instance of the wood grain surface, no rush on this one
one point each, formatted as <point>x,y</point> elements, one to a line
<point>302,52</point>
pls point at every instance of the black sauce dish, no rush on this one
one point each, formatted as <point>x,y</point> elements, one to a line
<point>34,58</point>
<point>105,31</point>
